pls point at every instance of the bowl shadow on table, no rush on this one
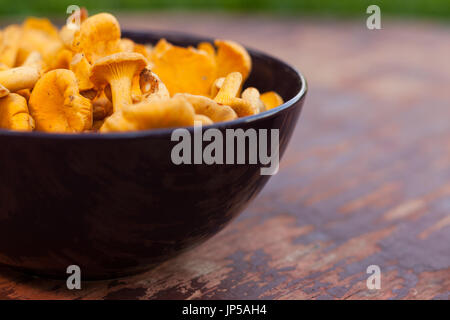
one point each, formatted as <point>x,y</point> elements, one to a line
<point>21,285</point>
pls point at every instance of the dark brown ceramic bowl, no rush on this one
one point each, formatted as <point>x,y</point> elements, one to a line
<point>115,204</point>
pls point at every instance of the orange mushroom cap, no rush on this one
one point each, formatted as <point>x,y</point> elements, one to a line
<point>57,106</point>
<point>271,100</point>
<point>99,36</point>
<point>232,57</point>
<point>183,70</point>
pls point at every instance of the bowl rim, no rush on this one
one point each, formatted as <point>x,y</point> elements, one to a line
<point>165,131</point>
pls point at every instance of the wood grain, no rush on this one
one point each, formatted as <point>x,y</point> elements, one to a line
<point>366,179</point>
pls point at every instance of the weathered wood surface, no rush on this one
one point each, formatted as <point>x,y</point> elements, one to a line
<point>366,179</point>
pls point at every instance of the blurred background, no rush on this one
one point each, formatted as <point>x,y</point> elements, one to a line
<point>439,9</point>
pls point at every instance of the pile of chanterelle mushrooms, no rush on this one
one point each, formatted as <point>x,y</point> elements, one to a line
<point>90,79</point>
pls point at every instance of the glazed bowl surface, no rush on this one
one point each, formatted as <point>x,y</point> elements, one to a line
<point>116,204</point>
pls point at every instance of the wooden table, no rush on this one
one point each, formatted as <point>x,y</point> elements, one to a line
<point>365,181</point>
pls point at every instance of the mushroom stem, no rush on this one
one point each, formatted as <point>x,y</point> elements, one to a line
<point>19,78</point>
<point>252,95</point>
<point>118,70</point>
<point>121,92</point>
<point>230,88</point>
<point>14,113</point>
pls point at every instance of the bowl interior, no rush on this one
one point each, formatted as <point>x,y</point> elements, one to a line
<point>268,74</point>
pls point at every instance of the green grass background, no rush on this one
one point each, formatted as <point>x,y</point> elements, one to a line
<point>439,9</point>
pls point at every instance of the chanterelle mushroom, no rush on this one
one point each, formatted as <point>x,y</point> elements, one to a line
<point>19,78</point>
<point>60,60</point>
<point>151,114</point>
<point>14,113</point>
<point>39,35</point>
<point>126,45</point>
<point>204,120</point>
<point>253,96</point>
<point>208,107</point>
<point>99,36</point>
<point>101,106</point>
<point>227,95</point>
<point>216,86</point>
<point>118,70</point>
<point>229,88</point>
<point>271,100</point>
<point>183,70</point>
<point>232,57</point>
<point>57,106</point>
<point>9,45</point>
<point>82,69</point>
<point>151,85</point>
<point>145,50</point>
